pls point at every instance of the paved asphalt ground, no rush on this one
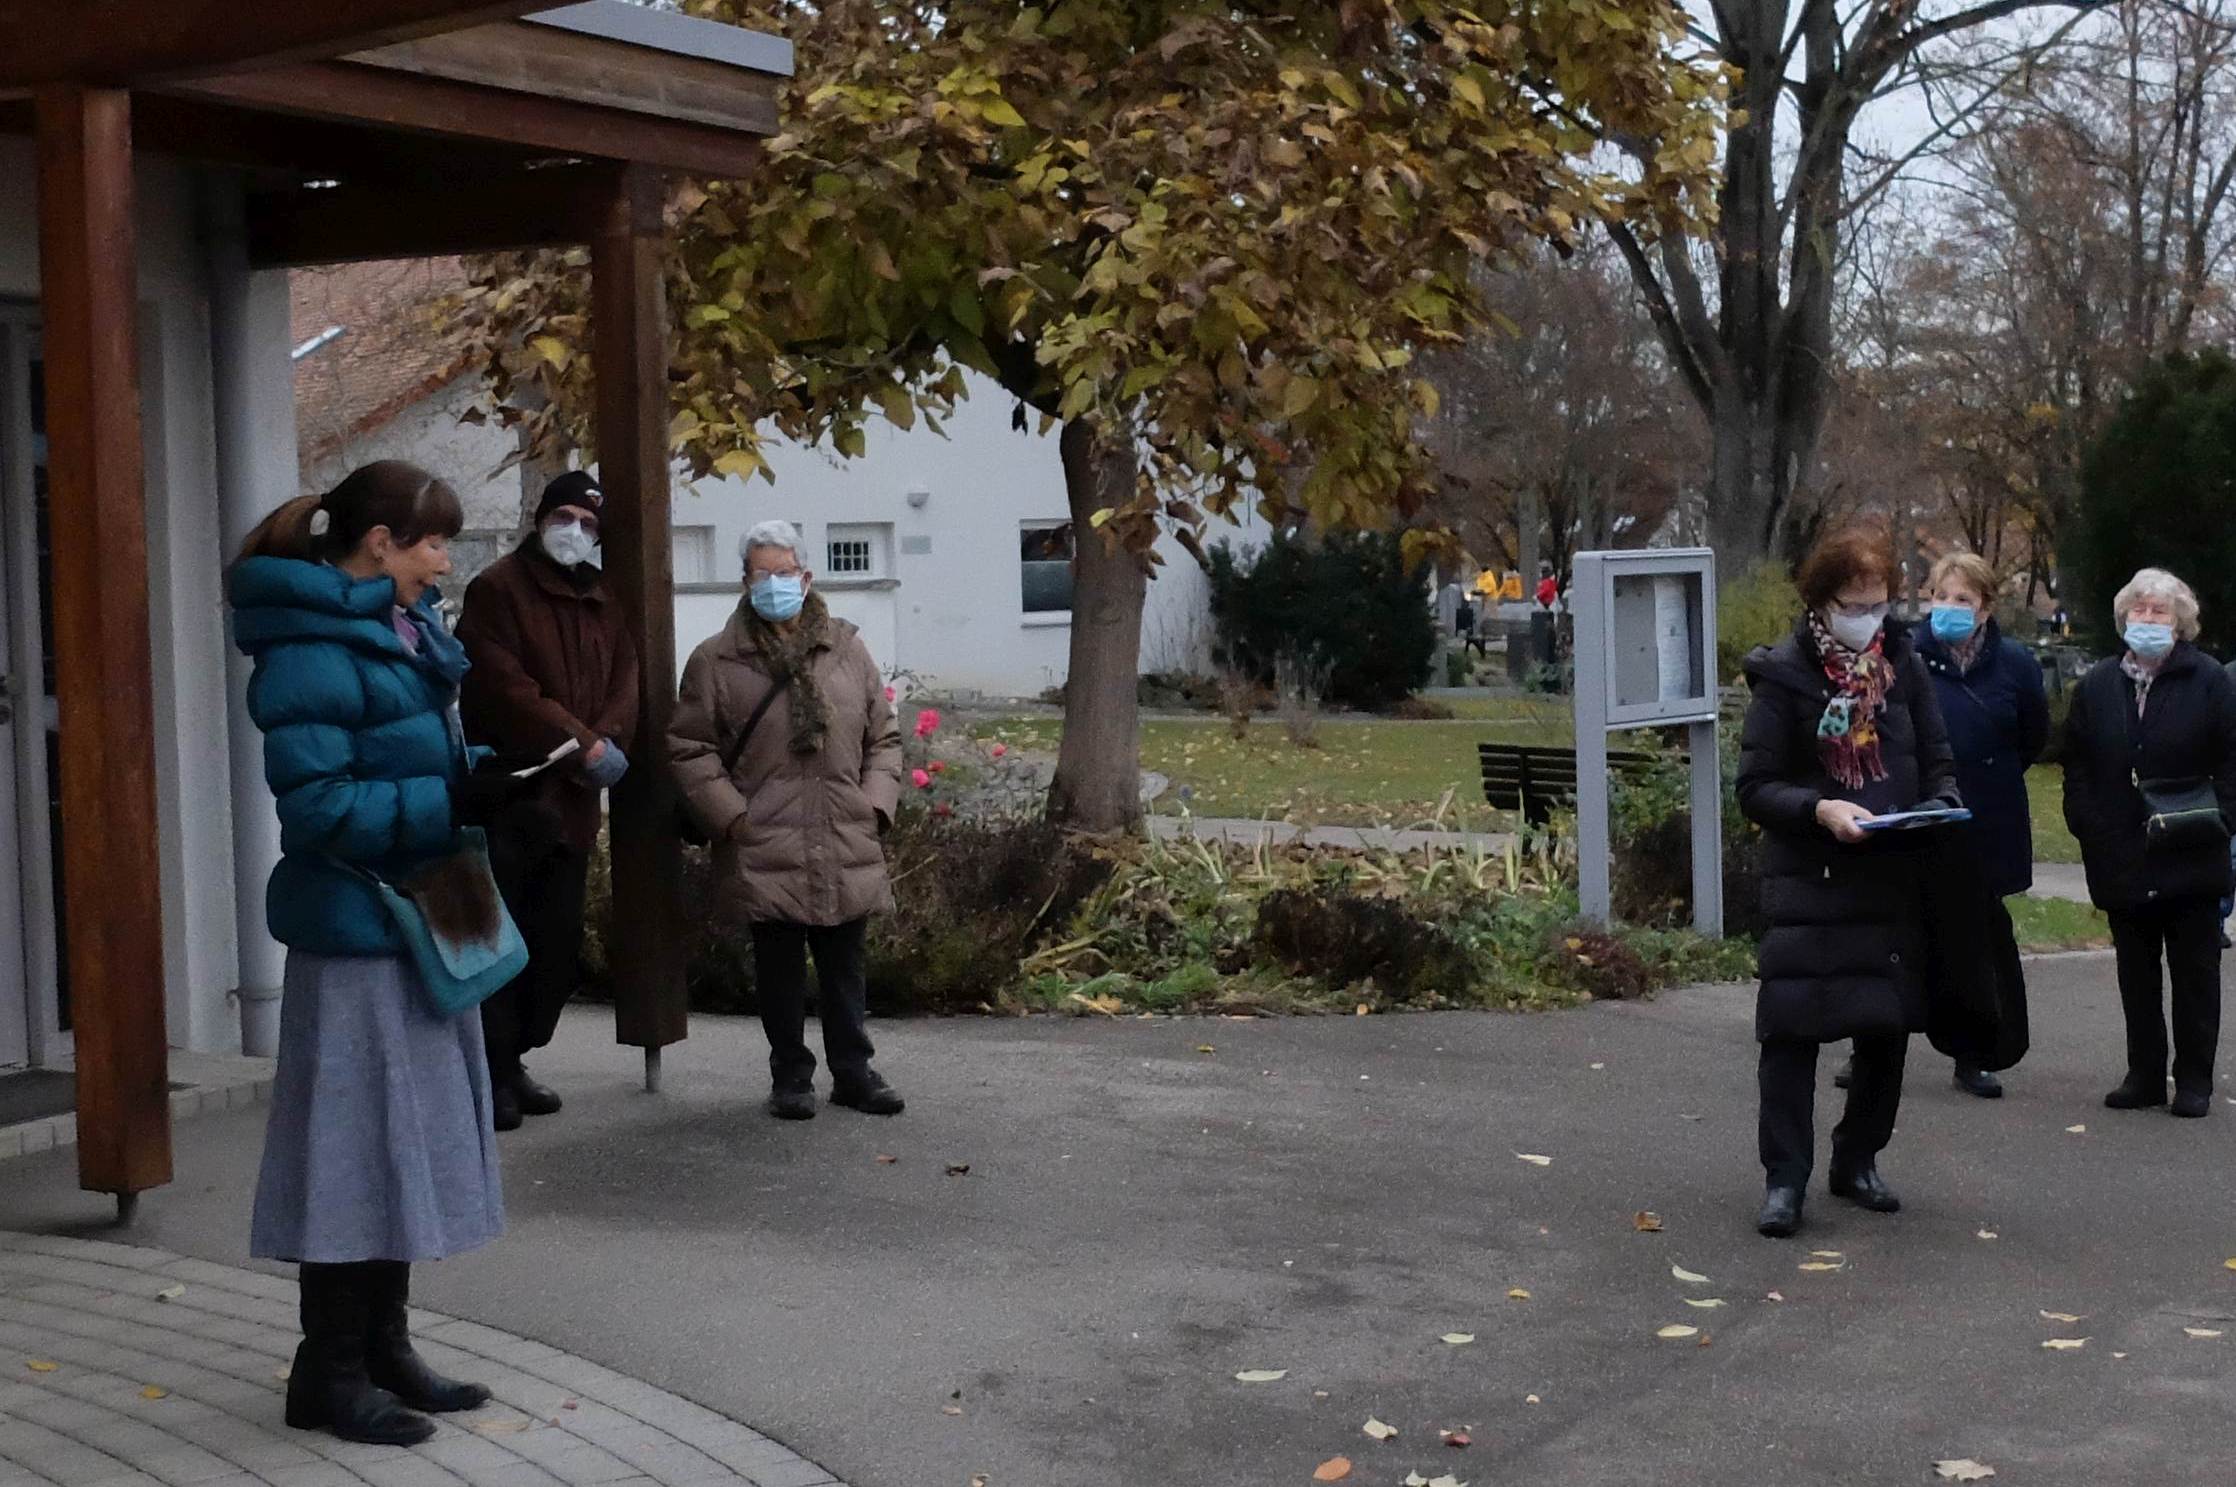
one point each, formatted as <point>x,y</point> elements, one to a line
<point>1143,1219</point>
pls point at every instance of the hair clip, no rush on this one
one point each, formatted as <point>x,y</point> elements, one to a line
<point>322,521</point>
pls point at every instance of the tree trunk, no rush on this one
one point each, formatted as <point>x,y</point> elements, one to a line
<point>1098,765</point>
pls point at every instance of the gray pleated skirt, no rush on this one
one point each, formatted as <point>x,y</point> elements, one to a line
<point>379,1145</point>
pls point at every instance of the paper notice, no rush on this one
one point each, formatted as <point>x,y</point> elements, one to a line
<point>1672,638</point>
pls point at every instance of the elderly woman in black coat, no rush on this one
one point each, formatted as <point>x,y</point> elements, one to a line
<point>2150,791</point>
<point>1844,726</point>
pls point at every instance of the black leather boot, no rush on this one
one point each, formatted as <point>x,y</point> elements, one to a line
<point>1781,1213</point>
<point>1978,1082</point>
<point>328,1388</point>
<point>534,1098</point>
<point>1865,1187</point>
<point>867,1092</point>
<point>389,1359</point>
<point>2137,1092</point>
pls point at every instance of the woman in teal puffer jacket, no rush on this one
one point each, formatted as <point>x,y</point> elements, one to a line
<point>378,1152</point>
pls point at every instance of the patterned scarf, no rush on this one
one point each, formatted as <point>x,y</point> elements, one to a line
<point>1966,652</point>
<point>792,654</point>
<point>2142,676</point>
<point>1848,733</point>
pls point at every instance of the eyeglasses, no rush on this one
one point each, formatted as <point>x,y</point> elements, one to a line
<point>1859,611</point>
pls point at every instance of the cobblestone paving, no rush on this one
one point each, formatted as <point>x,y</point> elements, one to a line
<point>124,1367</point>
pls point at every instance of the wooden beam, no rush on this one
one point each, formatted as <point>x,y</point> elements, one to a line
<point>629,348</point>
<point>348,224</point>
<point>437,106</point>
<point>110,878</point>
<point>138,41</point>
<point>554,63</point>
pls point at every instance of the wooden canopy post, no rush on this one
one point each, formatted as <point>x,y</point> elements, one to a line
<point>629,343</point>
<point>89,299</point>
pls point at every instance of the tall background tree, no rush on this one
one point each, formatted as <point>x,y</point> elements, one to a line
<point>1207,239</point>
<point>1751,331</point>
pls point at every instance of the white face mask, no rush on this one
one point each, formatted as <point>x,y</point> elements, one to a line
<point>1854,631</point>
<point>569,545</point>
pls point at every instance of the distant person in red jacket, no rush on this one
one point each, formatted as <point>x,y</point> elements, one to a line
<point>551,661</point>
<point>1548,587</point>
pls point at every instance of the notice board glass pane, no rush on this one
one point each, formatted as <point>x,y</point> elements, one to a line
<point>1655,637</point>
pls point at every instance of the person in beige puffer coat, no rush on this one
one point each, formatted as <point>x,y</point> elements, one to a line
<point>788,757</point>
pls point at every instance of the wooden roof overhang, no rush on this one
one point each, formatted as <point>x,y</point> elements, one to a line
<point>365,129</point>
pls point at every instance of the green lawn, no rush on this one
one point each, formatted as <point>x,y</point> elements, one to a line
<point>2055,924</point>
<point>1378,771</point>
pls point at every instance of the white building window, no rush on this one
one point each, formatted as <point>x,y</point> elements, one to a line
<point>694,555</point>
<point>857,550</point>
<point>1044,555</point>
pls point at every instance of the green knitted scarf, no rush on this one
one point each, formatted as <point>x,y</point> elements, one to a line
<point>790,655</point>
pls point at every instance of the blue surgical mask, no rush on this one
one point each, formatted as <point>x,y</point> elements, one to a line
<point>777,597</point>
<point>1953,624</point>
<point>2149,642</point>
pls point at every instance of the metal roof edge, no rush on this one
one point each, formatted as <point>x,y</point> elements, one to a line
<point>669,31</point>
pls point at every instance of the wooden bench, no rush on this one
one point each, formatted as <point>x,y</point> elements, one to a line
<point>1536,780</point>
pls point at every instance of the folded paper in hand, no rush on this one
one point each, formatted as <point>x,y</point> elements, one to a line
<point>1906,820</point>
<point>571,746</point>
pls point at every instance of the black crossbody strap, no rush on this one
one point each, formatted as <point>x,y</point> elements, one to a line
<point>760,710</point>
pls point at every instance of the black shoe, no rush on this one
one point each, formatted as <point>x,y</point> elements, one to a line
<point>1845,1075</point>
<point>792,1103</point>
<point>328,1388</point>
<point>504,1105</point>
<point>2193,1104</point>
<point>534,1098</point>
<point>1978,1082</point>
<point>1865,1188</point>
<point>390,1361</point>
<point>2137,1093</point>
<point>869,1093</point>
<point>1781,1213</point>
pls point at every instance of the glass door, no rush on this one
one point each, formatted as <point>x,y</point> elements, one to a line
<point>34,1000</point>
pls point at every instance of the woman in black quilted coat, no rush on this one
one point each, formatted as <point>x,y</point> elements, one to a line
<point>1844,726</point>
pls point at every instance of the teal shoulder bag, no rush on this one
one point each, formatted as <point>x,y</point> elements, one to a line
<point>454,926</point>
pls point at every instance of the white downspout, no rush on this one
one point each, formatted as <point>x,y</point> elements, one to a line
<point>253,385</point>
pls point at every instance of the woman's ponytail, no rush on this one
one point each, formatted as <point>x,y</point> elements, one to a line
<point>290,532</point>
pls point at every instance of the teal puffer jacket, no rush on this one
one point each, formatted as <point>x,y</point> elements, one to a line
<point>360,743</point>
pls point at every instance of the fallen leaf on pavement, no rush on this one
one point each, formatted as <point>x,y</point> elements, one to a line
<point>41,1365</point>
<point>1774,1296</point>
<point>887,1161</point>
<point>1599,1066</point>
<point>2063,1344</point>
<point>283,1374</point>
<point>1824,1265</point>
<point>958,1169</point>
<point>1531,1399</point>
<point>2076,1130</point>
<point>1963,1469</point>
<point>1334,1469</point>
<point>951,1409</point>
<point>1517,1294</point>
<point>1363,1010</point>
<point>1646,1223</point>
<point>2119,1355</point>
<point>1458,1339</point>
<point>1534,1159</point>
<point>2201,1332</point>
<point>170,1293</point>
<point>2059,1316</point>
<point>1989,1234</point>
<point>1704,1303</point>
<point>1676,1330</point>
<point>1458,1440</point>
<point>1205,1048</point>
<point>1826,1254</point>
<point>978,1479</point>
<point>154,1391</point>
<point>1261,1375</point>
<point>1378,1430</point>
<point>2232,1264</point>
<point>1688,1276</point>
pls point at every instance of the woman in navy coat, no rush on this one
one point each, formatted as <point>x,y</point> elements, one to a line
<point>1998,716</point>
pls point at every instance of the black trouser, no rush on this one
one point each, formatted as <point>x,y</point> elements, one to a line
<point>2186,934</point>
<point>1788,1128</point>
<point>543,887</point>
<point>2003,952</point>
<point>780,954</point>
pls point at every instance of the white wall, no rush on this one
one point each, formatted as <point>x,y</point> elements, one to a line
<point>952,604</point>
<point>193,802</point>
<point>429,435</point>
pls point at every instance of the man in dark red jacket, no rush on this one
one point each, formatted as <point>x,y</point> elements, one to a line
<point>552,661</point>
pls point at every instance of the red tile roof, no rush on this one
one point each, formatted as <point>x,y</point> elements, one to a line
<point>391,353</point>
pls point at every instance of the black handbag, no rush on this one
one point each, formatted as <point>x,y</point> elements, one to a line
<point>687,825</point>
<point>2179,814</point>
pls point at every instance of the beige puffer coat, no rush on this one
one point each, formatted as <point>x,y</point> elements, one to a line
<point>797,837</point>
